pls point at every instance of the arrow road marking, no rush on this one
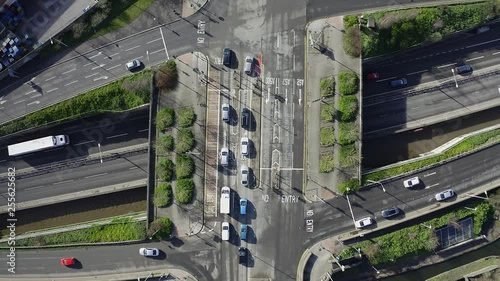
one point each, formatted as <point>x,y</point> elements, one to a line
<point>102,77</point>
<point>300,96</point>
<point>427,187</point>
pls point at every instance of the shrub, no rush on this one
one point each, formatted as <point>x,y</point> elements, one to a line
<point>327,86</point>
<point>348,83</point>
<point>327,136</point>
<point>351,20</point>
<point>184,191</point>
<point>186,117</point>
<point>165,169</point>
<point>163,195</point>
<point>348,156</point>
<point>160,228</point>
<point>185,141</point>
<point>327,112</point>
<point>164,144</point>
<point>348,108</point>
<point>348,133</point>
<point>166,76</point>
<point>184,166</point>
<point>352,41</point>
<point>349,186</point>
<point>165,118</point>
<point>326,164</point>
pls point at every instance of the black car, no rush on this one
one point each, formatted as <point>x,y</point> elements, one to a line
<point>226,58</point>
<point>243,255</point>
<point>390,212</point>
<point>245,118</point>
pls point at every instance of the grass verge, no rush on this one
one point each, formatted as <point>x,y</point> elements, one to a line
<point>459,272</point>
<point>466,145</point>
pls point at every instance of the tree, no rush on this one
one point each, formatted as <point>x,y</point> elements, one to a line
<point>164,144</point>
<point>348,156</point>
<point>163,195</point>
<point>184,166</point>
<point>352,41</point>
<point>184,191</point>
<point>165,169</point>
<point>166,76</point>
<point>327,86</point>
<point>433,241</point>
<point>165,118</point>
<point>371,250</point>
<point>186,117</point>
<point>160,228</point>
<point>185,140</point>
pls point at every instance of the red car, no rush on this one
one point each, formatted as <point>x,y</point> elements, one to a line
<point>68,261</point>
<point>373,75</point>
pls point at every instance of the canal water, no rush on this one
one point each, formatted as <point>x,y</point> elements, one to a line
<point>410,144</point>
<point>79,211</point>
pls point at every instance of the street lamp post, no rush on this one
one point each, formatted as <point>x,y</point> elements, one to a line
<point>454,77</point>
<point>350,208</point>
<point>378,183</point>
<point>428,226</point>
<point>100,153</point>
<point>472,209</point>
<point>479,197</point>
<point>375,269</point>
<point>319,198</point>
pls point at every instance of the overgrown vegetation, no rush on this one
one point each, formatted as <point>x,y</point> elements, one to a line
<point>119,230</point>
<point>416,240</point>
<point>327,136</point>
<point>349,186</point>
<point>166,77</point>
<point>396,30</point>
<point>466,145</point>
<point>165,169</point>
<point>121,95</point>
<point>184,167</point>
<point>164,144</point>
<point>104,17</point>
<point>326,163</point>
<point>184,191</point>
<point>348,156</point>
<point>163,195</point>
<point>353,41</point>
<point>327,86</point>
<point>348,83</point>
<point>351,20</point>
<point>185,140</point>
<point>348,133</point>
<point>348,108</point>
<point>165,118</point>
<point>186,117</point>
<point>160,228</point>
<point>327,112</point>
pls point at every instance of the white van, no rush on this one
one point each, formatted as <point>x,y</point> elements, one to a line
<point>248,65</point>
<point>225,231</point>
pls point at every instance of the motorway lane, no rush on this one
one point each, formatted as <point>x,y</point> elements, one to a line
<point>434,62</point>
<point>460,175</point>
<point>71,180</point>
<point>191,254</point>
<point>110,131</point>
<point>396,113</point>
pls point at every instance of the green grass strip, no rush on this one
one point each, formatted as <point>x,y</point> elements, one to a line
<point>459,272</point>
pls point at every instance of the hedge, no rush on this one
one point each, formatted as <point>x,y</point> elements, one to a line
<point>165,118</point>
<point>348,133</point>
<point>163,195</point>
<point>348,83</point>
<point>165,169</point>
<point>327,112</point>
<point>327,86</point>
<point>184,167</point>
<point>164,144</point>
<point>348,108</point>
<point>185,140</point>
<point>161,228</point>
<point>184,191</point>
<point>186,117</point>
<point>327,136</point>
<point>326,163</point>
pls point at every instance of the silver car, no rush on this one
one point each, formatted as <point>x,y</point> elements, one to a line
<point>133,64</point>
<point>364,222</point>
<point>149,252</point>
<point>444,195</point>
<point>409,183</point>
<point>244,175</point>
<point>224,156</point>
<point>248,65</point>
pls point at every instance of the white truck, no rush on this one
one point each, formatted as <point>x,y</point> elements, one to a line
<point>225,201</point>
<point>37,145</point>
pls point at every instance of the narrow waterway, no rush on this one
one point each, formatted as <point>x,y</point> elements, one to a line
<point>410,144</point>
<point>78,211</point>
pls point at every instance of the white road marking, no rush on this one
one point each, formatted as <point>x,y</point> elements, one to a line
<point>48,79</point>
<point>132,168</point>
<point>35,96</point>
<point>99,66</point>
<point>154,52</point>
<point>413,108</point>
<point>416,72</point>
<point>164,44</point>
<point>87,64</point>
<point>153,41</point>
<point>441,66</point>
<point>73,82</point>
<point>35,102</point>
<point>84,142</point>
<point>98,175</point>
<point>116,136</point>
<point>431,174</point>
<point>384,115</point>
<point>91,75</point>
<point>278,41</point>
<point>113,67</point>
<point>427,187</point>
<point>30,92</point>
<point>479,44</point>
<point>113,55</point>
<point>56,183</point>
<point>2,161</point>
<point>293,62</point>
<point>495,53</point>
<point>132,48</point>
<point>69,71</point>
<point>19,101</point>
<point>143,130</point>
<point>51,90</point>
<point>98,54</point>
<point>34,187</point>
<point>475,58</point>
<point>390,78</point>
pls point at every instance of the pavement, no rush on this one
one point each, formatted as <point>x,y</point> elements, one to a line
<point>191,92</point>
<point>329,31</point>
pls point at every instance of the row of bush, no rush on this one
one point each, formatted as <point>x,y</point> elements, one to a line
<point>166,118</point>
<point>412,241</point>
<point>121,95</point>
<point>184,169</point>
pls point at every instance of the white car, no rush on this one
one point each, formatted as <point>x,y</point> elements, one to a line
<point>224,156</point>
<point>363,222</point>
<point>149,252</point>
<point>244,146</point>
<point>444,195</point>
<point>133,64</point>
<point>244,175</point>
<point>225,231</point>
<point>409,183</point>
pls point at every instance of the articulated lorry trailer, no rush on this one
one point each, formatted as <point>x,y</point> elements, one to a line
<point>37,145</point>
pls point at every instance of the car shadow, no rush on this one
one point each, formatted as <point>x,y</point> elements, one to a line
<point>161,256</point>
<point>176,242</point>
<point>251,236</point>
<point>76,265</point>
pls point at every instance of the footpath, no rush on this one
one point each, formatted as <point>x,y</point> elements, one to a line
<point>151,275</point>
